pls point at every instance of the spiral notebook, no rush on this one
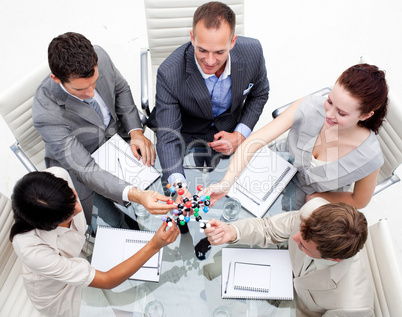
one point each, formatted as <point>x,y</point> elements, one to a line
<point>114,245</point>
<point>261,182</point>
<point>259,281</point>
<point>256,274</point>
<point>116,157</point>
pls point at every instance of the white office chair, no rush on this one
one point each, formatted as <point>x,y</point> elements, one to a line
<point>14,300</point>
<point>385,271</point>
<point>16,110</point>
<point>168,26</point>
<point>389,137</point>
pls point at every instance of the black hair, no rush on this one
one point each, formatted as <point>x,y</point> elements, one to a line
<point>42,201</point>
<point>71,56</point>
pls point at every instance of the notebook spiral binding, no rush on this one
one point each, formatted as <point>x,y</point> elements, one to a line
<point>254,289</point>
<point>257,298</point>
<point>113,228</point>
<point>286,170</point>
<point>136,241</point>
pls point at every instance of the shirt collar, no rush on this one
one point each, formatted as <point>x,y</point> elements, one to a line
<point>322,263</point>
<point>62,87</point>
<point>226,72</point>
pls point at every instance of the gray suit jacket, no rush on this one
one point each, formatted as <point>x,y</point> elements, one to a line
<point>343,289</point>
<point>183,105</point>
<point>72,130</point>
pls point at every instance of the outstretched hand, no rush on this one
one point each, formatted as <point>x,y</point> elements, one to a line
<point>179,200</point>
<point>220,232</point>
<point>216,191</point>
<point>165,235</point>
<point>154,202</point>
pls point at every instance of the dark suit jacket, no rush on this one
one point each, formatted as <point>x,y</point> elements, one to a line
<point>72,130</point>
<point>183,105</point>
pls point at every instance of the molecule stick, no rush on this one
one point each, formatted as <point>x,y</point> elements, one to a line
<point>196,203</point>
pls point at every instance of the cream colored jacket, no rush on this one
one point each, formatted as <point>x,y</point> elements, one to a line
<point>343,289</point>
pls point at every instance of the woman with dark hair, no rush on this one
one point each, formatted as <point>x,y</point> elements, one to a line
<point>331,142</point>
<point>49,235</point>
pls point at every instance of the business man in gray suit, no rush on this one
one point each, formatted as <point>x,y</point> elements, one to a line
<point>83,102</point>
<point>210,92</point>
<point>331,276</point>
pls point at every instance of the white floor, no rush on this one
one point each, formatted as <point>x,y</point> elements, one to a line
<point>307,45</point>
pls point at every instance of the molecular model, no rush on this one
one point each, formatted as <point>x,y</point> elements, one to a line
<point>196,203</point>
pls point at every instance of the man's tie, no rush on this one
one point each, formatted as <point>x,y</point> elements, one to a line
<point>94,104</point>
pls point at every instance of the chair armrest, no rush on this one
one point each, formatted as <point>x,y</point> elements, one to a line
<point>321,92</point>
<point>22,157</point>
<point>144,82</point>
<point>143,118</point>
<point>394,178</point>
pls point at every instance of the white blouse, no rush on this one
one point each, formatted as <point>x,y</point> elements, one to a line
<point>54,270</point>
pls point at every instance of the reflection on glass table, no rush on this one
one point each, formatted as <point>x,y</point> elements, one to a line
<point>184,288</point>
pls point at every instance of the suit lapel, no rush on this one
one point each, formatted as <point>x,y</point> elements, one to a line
<point>197,86</point>
<point>324,279</point>
<point>102,88</point>
<point>76,106</point>
<point>237,78</point>
<point>297,255</point>
<point>84,111</point>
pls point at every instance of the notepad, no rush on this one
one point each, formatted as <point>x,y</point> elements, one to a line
<point>261,182</point>
<point>256,274</point>
<point>114,245</point>
<point>258,281</point>
<point>116,157</point>
<point>133,246</point>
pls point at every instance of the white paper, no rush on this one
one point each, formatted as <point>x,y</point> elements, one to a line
<point>262,181</point>
<point>252,276</point>
<point>109,249</point>
<point>116,157</point>
<point>281,276</point>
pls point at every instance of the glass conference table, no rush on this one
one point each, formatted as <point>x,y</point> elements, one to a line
<point>183,288</point>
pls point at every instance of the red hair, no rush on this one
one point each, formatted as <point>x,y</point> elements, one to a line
<point>367,84</point>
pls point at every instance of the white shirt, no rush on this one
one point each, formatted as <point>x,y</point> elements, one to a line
<point>54,270</point>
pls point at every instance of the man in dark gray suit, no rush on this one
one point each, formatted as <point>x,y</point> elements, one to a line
<point>206,95</point>
<point>83,102</point>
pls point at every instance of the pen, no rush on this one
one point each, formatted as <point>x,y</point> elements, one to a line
<point>248,196</point>
<point>121,169</point>
<point>227,280</point>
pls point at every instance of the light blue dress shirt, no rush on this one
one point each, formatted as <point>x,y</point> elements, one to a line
<point>220,91</point>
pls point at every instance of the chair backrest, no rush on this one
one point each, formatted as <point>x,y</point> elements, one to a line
<point>16,109</point>
<point>390,135</point>
<point>14,300</point>
<point>384,270</point>
<point>169,24</point>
